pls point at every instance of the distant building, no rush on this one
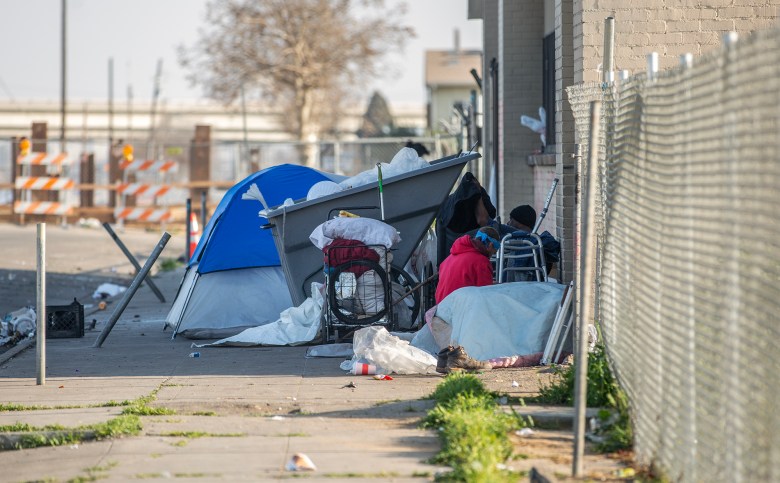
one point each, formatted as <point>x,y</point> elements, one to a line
<point>448,81</point>
<point>174,121</point>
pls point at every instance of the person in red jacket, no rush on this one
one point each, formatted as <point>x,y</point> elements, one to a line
<point>468,264</point>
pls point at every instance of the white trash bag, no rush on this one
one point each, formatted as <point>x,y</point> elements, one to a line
<point>382,349</point>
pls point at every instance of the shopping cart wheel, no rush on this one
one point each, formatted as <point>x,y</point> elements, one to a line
<point>344,315</point>
<point>399,276</point>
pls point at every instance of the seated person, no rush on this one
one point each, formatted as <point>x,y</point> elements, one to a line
<point>521,221</point>
<point>468,264</point>
<point>467,208</point>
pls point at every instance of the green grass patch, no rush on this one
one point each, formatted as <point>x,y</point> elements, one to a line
<point>10,407</point>
<point>385,403</point>
<point>455,384</point>
<point>140,406</point>
<point>381,474</point>
<point>201,434</point>
<point>124,425</point>
<point>603,391</point>
<point>27,428</point>
<point>169,264</point>
<point>204,413</point>
<point>473,430</point>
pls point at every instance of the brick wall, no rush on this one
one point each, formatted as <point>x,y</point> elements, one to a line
<point>565,164</point>
<point>520,34</point>
<point>669,27</point>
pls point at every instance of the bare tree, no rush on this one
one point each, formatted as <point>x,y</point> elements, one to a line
<point>304,56</point>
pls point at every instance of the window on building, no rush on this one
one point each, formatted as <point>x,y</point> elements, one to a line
<point>548,86</point>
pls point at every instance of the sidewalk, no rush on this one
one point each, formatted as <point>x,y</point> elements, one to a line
<point>240,413</point>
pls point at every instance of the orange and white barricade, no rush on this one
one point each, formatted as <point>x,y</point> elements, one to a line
<point>42,208</point>
<point>135,189</point>
<point>149,165</point>
<point>142,214</point>
<point>26,184</point>
<point>43,183</point>
<point>38,159</point>
<point>151,169</point>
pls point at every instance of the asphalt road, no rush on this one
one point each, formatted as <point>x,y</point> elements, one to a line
<point>78,260</point>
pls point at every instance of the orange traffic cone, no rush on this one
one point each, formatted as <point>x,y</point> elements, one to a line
<point>194,233</point>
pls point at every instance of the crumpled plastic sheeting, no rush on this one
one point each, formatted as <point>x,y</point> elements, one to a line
<point>106,290</point>
<point>404,161</point>
<point>296,325</point>
<point>379,347</point>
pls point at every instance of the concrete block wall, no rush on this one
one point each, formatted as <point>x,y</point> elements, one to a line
<point>520,34</point>
<point>669,27</point>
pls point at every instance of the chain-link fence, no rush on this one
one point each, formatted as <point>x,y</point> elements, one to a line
<point>689,242</point>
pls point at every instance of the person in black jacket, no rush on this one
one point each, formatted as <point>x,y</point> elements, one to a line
<point>468,208</point>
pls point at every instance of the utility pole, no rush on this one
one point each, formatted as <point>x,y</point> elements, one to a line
<point>129,136</point>
<point>110,104</point>
<point>155,96</point>
<point>245,155</point>
<point>62,76</point>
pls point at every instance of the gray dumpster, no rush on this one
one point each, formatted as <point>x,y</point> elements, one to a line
<point>411,201</point>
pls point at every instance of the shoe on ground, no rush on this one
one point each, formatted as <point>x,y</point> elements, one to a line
<point>458,361</point>
<point>441,359</point>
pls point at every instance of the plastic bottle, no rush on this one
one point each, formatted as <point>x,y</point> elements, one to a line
<point>363,369</point>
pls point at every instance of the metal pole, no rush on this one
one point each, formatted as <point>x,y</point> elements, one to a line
<point>203,208</point>
<point>607,74</point>
<point>245,157</point>
<point>139,277</point>
<point>652,66</point>
<point>381,194</point>
<point>546,206</point>
<point>63,70</point>
<point>110,104</point>
<point>155,96</point>
<point>337,157</point>
<point>40,287</point>
<point>133,260</point>
<point>586,282</point>
<point>187,227</point>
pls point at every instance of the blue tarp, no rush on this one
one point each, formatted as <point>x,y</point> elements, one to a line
<point>234,237</point>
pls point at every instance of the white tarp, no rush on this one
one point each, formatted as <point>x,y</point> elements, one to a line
<point>500,320</point>
<point>296,325</point>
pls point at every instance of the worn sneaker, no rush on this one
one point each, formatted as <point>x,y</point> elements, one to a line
<point>441,359</point>
<point>458,360</point>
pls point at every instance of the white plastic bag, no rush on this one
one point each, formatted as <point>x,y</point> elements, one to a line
<point>377,346</point>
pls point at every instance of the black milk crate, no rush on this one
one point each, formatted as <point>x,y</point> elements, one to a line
<point>63,321</point>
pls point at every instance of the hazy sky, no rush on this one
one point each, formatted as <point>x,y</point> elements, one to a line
<point>138,32</point>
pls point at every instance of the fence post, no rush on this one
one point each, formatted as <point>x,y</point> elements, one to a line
<point>586,281</point>
<point>40,288</point>
<point>200,158</point>
<point>14,192</point>
<point>652,66</point>
<point>607,73</point>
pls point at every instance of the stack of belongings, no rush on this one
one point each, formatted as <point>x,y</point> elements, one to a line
<point>350,242</point>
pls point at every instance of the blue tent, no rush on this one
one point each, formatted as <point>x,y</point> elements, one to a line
<point>238,240</point>
<point>234,279</point>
